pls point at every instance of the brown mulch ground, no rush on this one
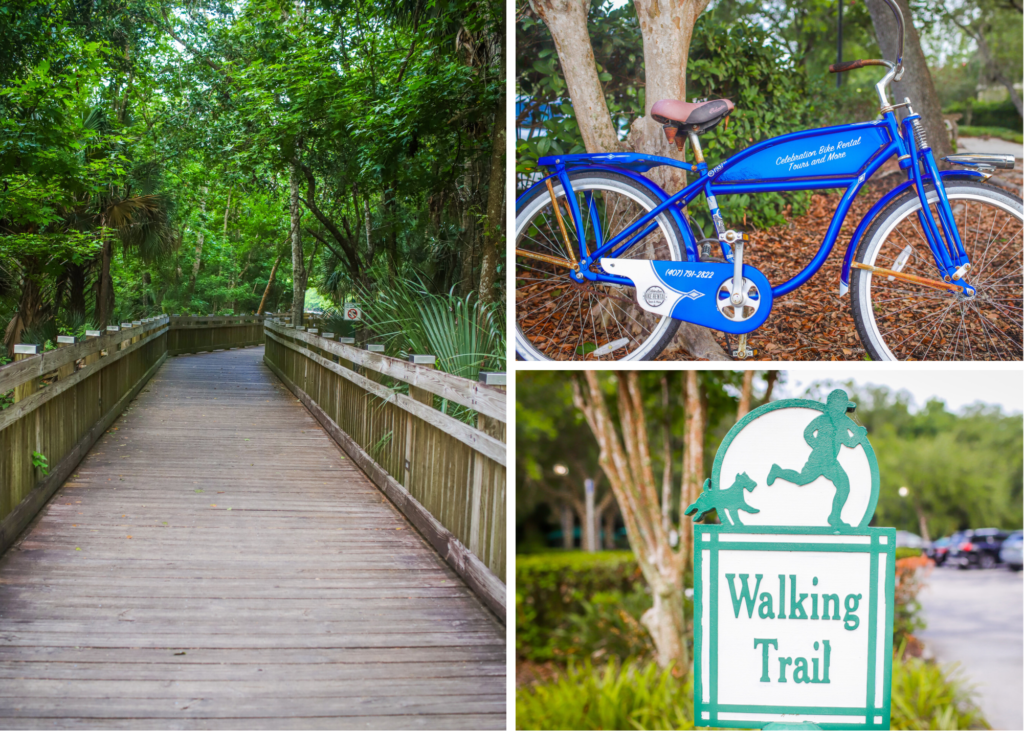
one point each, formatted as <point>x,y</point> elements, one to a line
<point>813,322</point>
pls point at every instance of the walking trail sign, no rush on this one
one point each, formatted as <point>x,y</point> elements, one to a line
<point>793,592</point>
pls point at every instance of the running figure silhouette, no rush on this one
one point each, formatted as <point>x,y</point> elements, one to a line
<point>825,435</point>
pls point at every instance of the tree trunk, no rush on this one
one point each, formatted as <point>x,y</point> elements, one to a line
<point>922,522</point>
<point>567,22</point>
<point>626,460</point>
<point>270,283</point>
<point>494,237</point>
<point>693,456</point>
<point>609,530</point>
<point>667,29</point>
<point>76,295</point>
<point>917,82</point>
<point>567,526</point>
<point>748,383</point>
<point>105,295</point>
<point>298,264</point>
<point>200,240</point>
<point>666,475</point>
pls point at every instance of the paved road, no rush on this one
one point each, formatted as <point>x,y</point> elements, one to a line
<point>976,618</point>
<point>992,144</point>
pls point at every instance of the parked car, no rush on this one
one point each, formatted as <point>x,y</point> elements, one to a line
<point>906,539</point>
<point>939,550</point>
<point>1010,553</point>
<point>977,548</point>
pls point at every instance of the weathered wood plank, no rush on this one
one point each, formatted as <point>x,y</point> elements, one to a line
<point>468,566</point>
<point>311,603</point>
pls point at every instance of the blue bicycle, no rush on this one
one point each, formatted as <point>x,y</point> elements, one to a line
<point>607,264</point>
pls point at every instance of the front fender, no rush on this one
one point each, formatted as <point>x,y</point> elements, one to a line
<point>689,242</point>
<point>844,276</point>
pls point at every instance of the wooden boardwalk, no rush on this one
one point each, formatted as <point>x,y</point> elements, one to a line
<point>217,562</point>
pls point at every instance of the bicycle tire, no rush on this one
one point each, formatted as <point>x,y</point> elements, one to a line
<point>531,205</point>
<point>965,195</point>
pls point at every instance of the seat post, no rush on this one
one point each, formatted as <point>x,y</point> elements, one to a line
<point>698,154</point>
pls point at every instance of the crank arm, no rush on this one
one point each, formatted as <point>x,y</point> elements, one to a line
<point>933,283</point>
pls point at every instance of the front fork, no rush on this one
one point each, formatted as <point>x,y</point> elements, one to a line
<point>947,248</point>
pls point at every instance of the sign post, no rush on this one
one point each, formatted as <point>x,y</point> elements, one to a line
<point>793,592</point>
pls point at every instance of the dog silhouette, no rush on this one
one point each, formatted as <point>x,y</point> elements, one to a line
<point>726,502</point>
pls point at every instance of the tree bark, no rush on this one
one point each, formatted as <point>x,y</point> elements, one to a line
<point>625,458</point>
<point>567,526</point>
<point>494,237</point>
<point>917,82</point>
<point>666,476</point>
<point>200,240</point>
<point>567,22</point>
<point>748,383</point>
<point>105,295</point>
<point>270,283</point>
<point>298,262</point>
<point>693,456</point>
<point>667,29</point>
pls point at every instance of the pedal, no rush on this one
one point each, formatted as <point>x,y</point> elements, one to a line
<point>742,351</point>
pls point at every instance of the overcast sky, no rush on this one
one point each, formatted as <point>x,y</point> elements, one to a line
<point>957,388</point>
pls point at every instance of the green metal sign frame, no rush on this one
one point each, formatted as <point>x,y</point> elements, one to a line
<point>708,544</point>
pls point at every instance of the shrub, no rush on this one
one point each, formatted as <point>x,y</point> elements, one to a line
<point>998,132</point>
<point>904,552</point>
<point>552,586</point>
<point>987,114</point>
<point>924,697</point>
<point>639,695</point>
<point>607,625</point>
<point>635,695</point>
<point>910,572</point>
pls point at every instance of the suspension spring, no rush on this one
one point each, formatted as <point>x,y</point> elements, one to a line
<point>920,139</point>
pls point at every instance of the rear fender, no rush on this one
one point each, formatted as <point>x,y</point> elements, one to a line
<point>851,249</point>
<point>689,242</point>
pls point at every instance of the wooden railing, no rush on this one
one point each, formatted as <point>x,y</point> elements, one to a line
<point>213,332</point>
<point>447,476</point>
<point>64,399</point>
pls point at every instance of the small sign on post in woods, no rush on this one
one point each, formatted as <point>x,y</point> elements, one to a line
<point>352,312</point>
<point>793,591</point>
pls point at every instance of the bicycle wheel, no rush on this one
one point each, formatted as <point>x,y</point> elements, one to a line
<point>560,319</point>
<point>897,320</point>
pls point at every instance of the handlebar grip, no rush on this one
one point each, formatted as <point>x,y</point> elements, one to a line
<point>838,68</point>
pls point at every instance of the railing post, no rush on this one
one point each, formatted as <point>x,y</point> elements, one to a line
<point>92,357</point>
<point>342,361</point>
<point>424,397</point>
<point>67,369</point>
<point>23,351</point>
<point>369,372</point>
<point>493,428</point>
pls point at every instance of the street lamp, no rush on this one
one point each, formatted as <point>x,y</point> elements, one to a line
<point>904,491</point>
<point>561,470</point>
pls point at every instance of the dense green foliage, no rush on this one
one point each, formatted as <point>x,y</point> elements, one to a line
<point>561,594</point>
<point>642,696</point>
<point>997,132</point>
<point>150,151</point>
<point>986,114</point>
<point>922,451</point>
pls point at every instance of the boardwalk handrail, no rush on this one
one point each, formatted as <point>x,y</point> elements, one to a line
<point>200,333</point>
<point>446,476</point>
<point>62,420</point>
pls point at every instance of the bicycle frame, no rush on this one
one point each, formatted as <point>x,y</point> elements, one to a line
<point>897,139</point>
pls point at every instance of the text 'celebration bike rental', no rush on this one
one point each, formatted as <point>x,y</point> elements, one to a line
<point>607,265</point>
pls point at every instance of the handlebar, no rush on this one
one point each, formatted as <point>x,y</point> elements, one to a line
<point>838,68</point>
<point>897,68</point>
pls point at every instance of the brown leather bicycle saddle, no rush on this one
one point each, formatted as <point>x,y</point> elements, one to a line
<point>698,117</point>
